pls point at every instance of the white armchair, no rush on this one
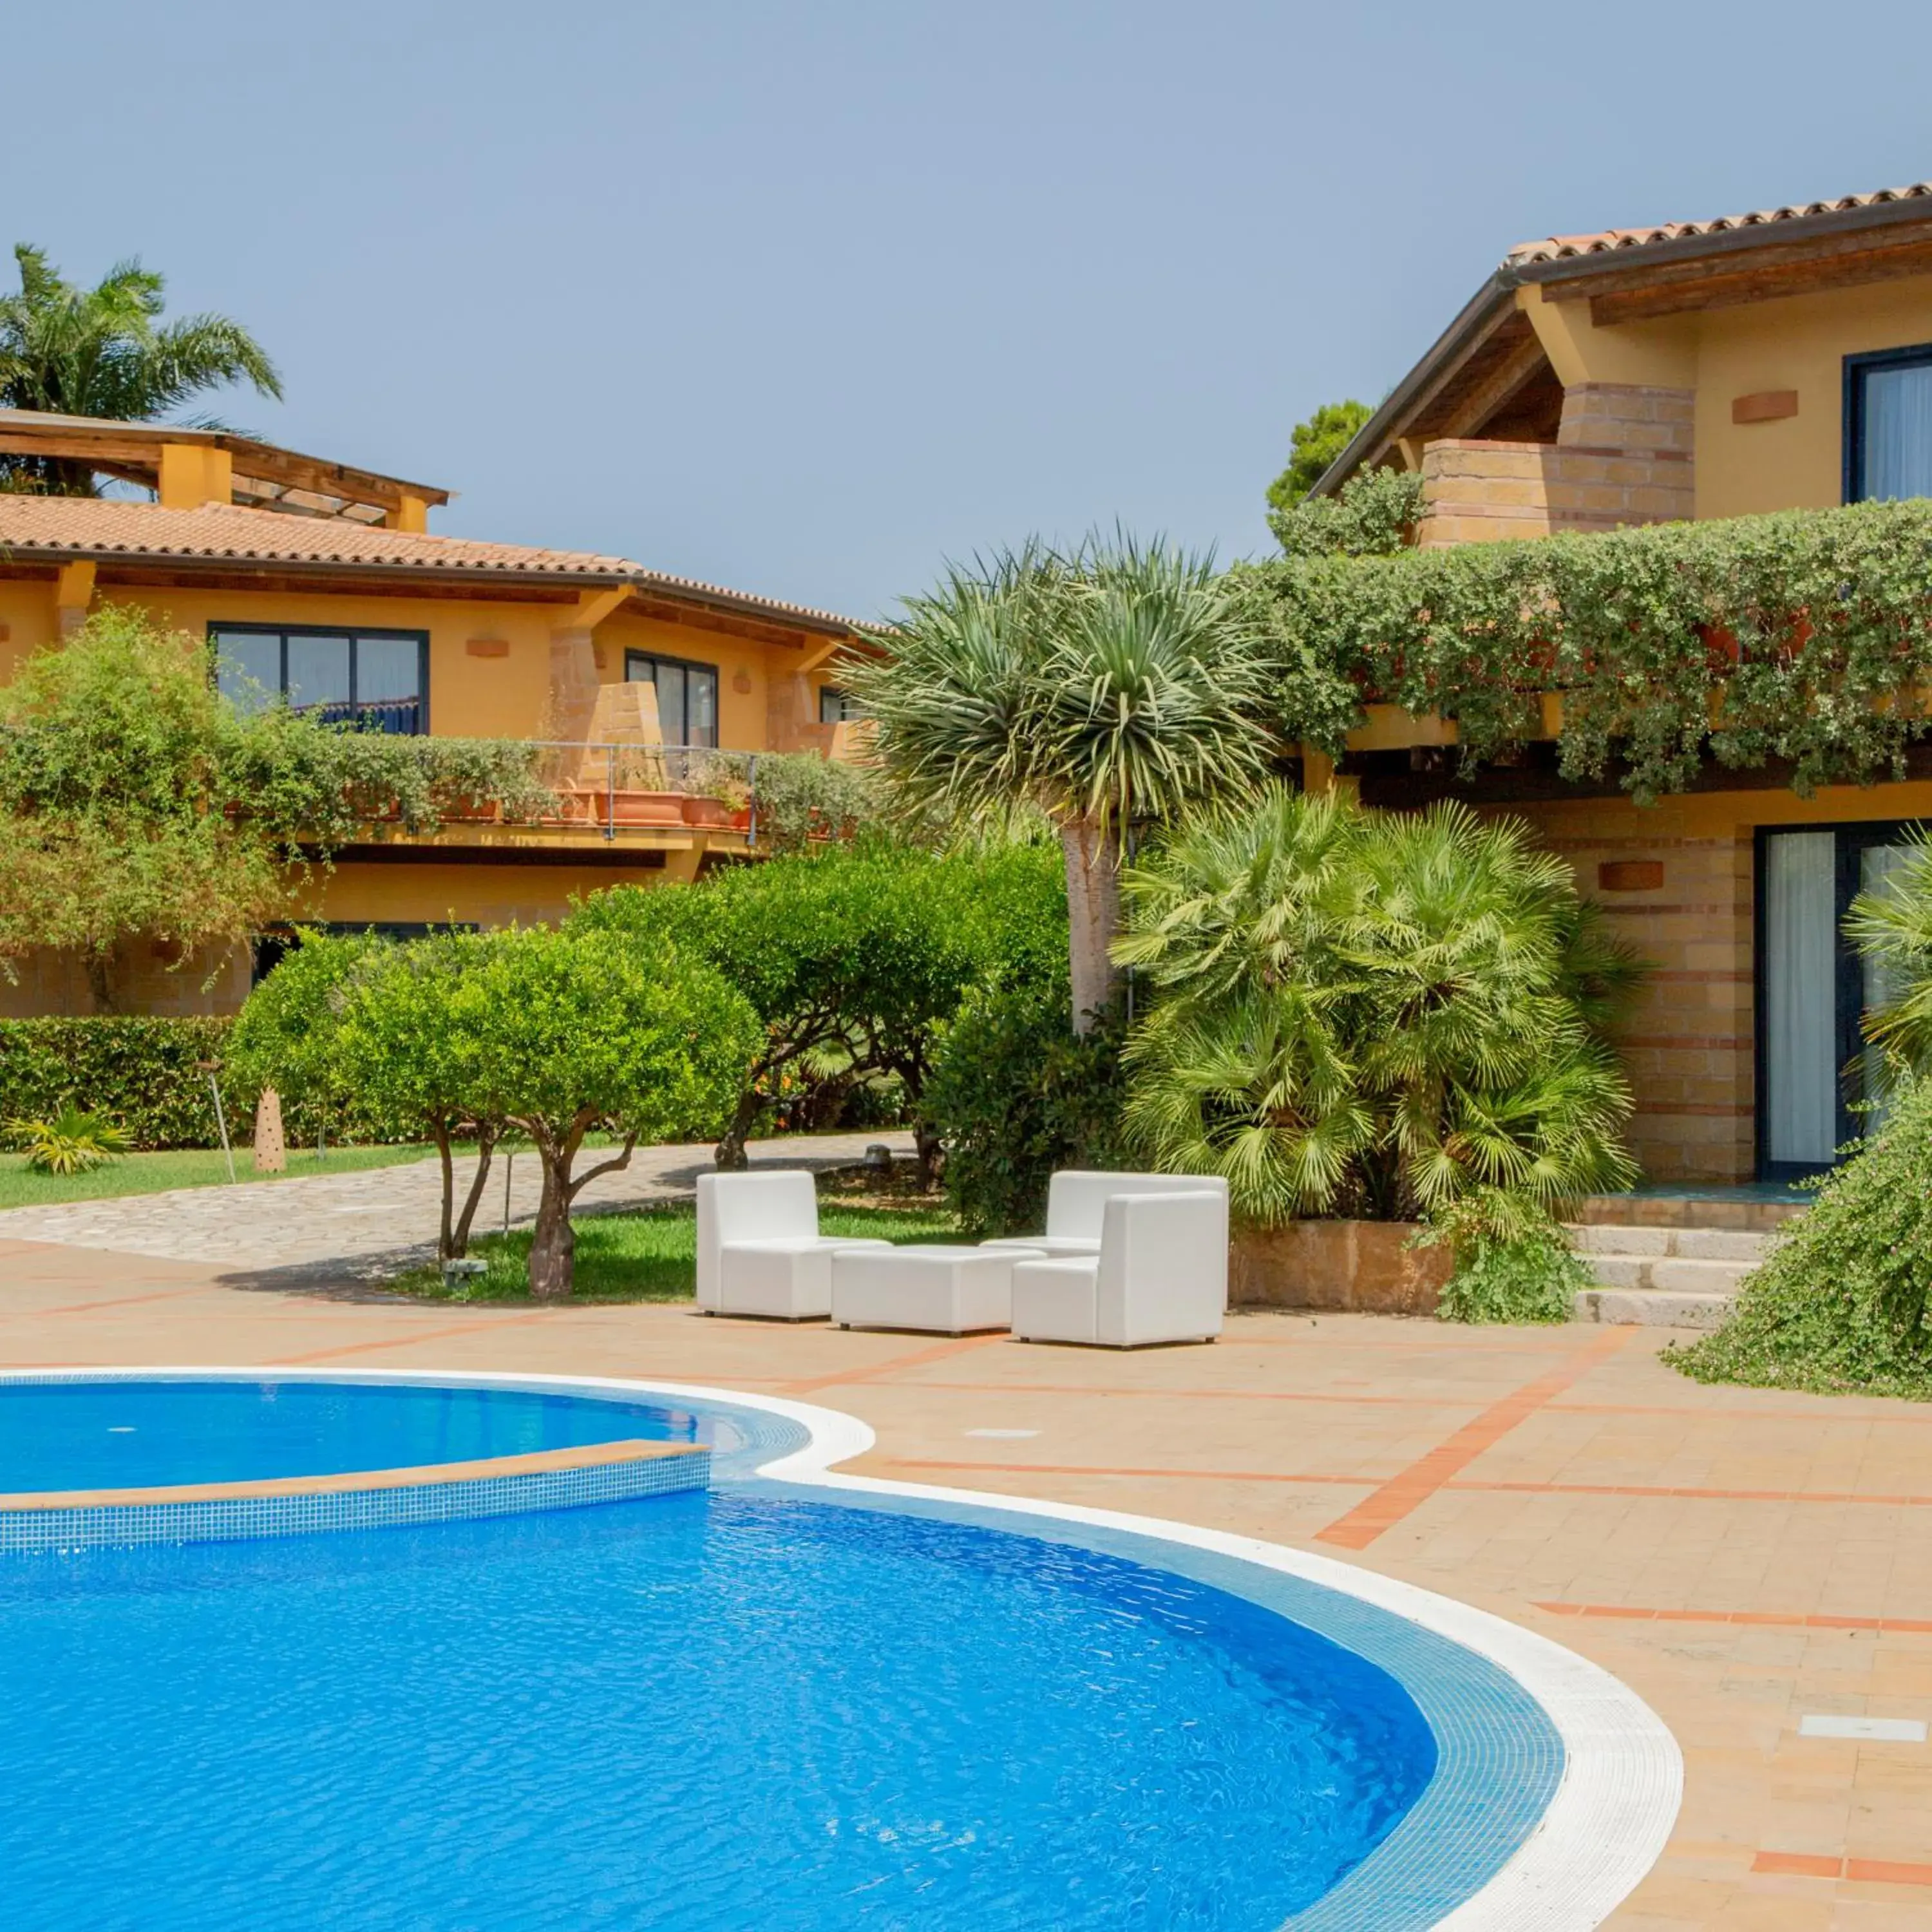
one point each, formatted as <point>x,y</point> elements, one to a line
<point>1076,1202</point>
<point>759,1249</point>
<point>1161,1275</point>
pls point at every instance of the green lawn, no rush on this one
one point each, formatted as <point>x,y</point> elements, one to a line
<point>194,1167</point>
<point>651,1255</point>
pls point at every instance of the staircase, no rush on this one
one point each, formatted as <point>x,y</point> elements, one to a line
<point>1670,1260</point>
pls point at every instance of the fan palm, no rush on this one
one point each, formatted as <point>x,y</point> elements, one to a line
<point>1891,925</point>
<point>105,351</point>
<point>1115,686</point>
<point>1370,1014</point>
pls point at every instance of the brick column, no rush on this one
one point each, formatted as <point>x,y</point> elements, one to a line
<point>1624,455</point>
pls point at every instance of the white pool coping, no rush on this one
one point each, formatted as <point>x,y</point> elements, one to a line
<point>1623,1774</point>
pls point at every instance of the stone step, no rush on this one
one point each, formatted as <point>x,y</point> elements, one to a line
<point>1651,1308</point>
<point>1703,1244</point>
<point>1756,1212</point>
<point>1668,1273</point>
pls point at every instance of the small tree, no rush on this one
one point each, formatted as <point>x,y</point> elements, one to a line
<point>397,1046</point>
<point>858,955</point>
<point>114,798</point>
<point>564,1032</point>
<point>1313,445</point>
<point>288,1035</point>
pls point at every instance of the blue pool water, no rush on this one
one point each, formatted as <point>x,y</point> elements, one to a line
<point>693,1714</point>
<point>134,1435</point>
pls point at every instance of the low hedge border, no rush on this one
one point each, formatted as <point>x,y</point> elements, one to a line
<point>145,1075</point>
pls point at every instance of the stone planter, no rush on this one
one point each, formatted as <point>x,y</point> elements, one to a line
<point>1360,1265</point>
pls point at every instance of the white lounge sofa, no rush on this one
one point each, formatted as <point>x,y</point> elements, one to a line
<point>1076,1202</point>
<point>759,1249</point>
<point>1161,1275</point>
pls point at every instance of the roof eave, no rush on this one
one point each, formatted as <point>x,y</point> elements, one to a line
<point>1477,317</point>
<point>640,582</point>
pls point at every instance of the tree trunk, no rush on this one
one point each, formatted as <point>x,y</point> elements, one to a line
<point>1093,855</point>
<point>554,1244</point>
<point>446,1237</point>
<point>486,1142</point>
<point>730,1152</point>
<point>100,979</point>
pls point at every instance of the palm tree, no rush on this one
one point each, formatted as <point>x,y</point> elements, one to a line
<point>1114,686</point>
<point>105,351</point>
<point>1373,1014</point>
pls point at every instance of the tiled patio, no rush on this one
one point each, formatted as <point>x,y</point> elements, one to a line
<point>1742,1559</point>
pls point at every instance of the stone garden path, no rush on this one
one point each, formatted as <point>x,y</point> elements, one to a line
<point>372,1219</point>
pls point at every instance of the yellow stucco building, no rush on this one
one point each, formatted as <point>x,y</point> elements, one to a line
<point>1777,360</point>
<point>323,584</point>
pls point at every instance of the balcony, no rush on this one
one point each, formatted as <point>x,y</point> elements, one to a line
<point>612,790</point>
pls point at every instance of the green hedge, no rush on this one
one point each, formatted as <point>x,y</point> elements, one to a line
<point>143,1075</point>
<point>1017,1094</point>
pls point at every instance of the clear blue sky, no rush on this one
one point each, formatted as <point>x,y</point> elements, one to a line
<point>805,298</point>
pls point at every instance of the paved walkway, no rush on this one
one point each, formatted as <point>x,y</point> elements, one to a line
<point>1743,1559</point>
<point>378,1216</point>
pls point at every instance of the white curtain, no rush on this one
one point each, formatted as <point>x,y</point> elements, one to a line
<point>1800,1016</point>
<point>1897,432</point>
<point>1879,867</point>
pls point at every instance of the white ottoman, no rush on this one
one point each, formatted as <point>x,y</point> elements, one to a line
<point>943,1291</point>
<point>787,1279</point>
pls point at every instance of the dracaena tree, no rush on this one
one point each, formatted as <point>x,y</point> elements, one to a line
<point>106,352</point>
<point>1108,688</point>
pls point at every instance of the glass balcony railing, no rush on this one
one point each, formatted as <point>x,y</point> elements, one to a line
<point>614,788</point>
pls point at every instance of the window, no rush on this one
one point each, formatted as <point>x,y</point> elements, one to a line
<point>687,696</point>
<point>1818,1082</point>
<point>377,679</point>
<point>1888,424</point>
<point>272,948</point>
<point>834,706</point>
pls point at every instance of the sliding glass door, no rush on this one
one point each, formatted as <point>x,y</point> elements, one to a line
<point>1816,1075</point>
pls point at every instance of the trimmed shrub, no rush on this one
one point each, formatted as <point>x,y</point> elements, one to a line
<point>143,1075</point>
<point>1839,1303</point>
<point>1016,1093</point>
<point>1535,1278</point>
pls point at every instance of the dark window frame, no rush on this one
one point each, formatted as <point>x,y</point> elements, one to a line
<point>838,695</point>
<point>1853,836</point>
<point>216,629</point>
<point>686,664</point>
<point>1918,355</point>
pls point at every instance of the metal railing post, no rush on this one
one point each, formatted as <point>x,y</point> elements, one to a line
<point>610,793</point>
<point>751,804</point>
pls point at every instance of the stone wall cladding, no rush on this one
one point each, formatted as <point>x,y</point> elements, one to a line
<point>1623,454</point>
<point>1688,1046</point>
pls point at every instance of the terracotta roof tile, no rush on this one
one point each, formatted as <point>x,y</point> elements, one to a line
<point>1610,240</point>
<point>102,527</point>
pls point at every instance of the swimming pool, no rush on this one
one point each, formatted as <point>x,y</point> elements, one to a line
<point>794,1700</point>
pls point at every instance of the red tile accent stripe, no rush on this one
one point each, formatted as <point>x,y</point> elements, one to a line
<point>958,1345</point>
<point>992,1467</point>
<point>1776,1619</point>
<point>420,1335</point>
<point>1409,1491</point>
<point>1683,1491</point>
<point>1863,1871</point>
